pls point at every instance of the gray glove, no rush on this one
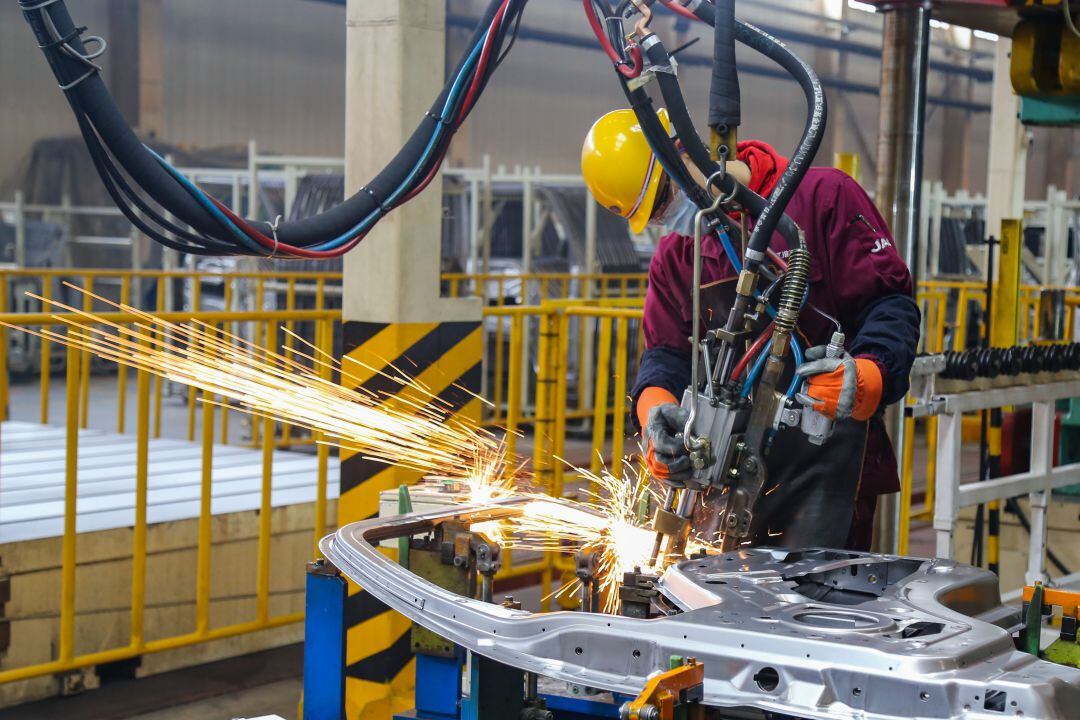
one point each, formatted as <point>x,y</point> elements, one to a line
<point>667,456</point>
<point>838,388</point>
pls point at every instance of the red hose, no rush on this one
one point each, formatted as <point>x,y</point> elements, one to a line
<point>744,361</point>
<point>470,100</point>
<point>675,7</point>
<point>281,249</point>
<point>777,260</point>
<point>481,67</point>
<point>627,71</point>
<point>277,248</point>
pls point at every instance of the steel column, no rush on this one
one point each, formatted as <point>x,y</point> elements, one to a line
<point>1043,416</point>
<point>324,643</point>
<point>904,63</point>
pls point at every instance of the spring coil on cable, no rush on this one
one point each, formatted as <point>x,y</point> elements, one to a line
<point>797,280</point>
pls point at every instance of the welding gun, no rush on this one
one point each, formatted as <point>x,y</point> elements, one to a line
<point>729,430</point>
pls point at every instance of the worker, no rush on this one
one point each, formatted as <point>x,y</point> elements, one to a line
<point>815,495</point>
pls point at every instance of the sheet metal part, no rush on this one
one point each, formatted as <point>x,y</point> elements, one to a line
<point>888,637</point>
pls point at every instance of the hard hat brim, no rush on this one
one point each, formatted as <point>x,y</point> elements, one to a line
<point>640,219</point>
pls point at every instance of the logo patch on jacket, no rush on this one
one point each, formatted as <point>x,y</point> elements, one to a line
<point>880,245</point>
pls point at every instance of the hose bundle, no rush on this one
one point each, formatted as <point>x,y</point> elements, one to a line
<point>124,163</point>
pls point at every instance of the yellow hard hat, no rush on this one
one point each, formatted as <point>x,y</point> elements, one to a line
<point>619,167</point>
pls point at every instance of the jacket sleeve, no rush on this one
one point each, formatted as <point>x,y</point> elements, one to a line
<point>888,332</point>
<point>872,285</point>
<point>666,324</point>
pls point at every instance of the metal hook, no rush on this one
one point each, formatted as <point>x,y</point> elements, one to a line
<point>273,230</point>
<point>690,441</point>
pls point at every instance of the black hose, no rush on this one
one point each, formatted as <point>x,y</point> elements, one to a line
<point>662,145</point>
<point>817,112</point>
<point>672,93</point>
<point>725,98</point>
<point>94,99</point>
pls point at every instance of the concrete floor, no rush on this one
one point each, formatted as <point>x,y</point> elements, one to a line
<point>252,686</point>
<point>279,698</point>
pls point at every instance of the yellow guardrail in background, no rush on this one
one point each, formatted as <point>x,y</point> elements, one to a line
<point>561,352</point>
<point>531,288</point>
<point>66,658</point>
<point>154,291</point>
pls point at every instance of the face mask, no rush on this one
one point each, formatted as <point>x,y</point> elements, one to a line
<point>678,216</point>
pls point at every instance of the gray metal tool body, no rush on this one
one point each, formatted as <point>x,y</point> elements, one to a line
<point>728,435</point>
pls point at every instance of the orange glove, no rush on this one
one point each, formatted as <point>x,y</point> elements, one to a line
<point>661,421</point>
<point>843,387</point>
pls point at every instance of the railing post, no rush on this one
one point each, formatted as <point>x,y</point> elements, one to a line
<point>907,478</point>
<point>489,215</point>
<point>618,421</point>
<point>5,379</point>
<point>254,201</point>
<point>290,189</point>
<point>45,361</point>
<point>526,221</point>
<point>84,374</point>
<point>262,596</point>
<point>1042,464</point>
<point>560,363</point>
<point>142,483</point>
<point>947,481</point>
<point>600,398</point>
<point>587,371</point>
<point>235,195</point>
<point>71,478</point>
<point>543,419</point>
<point>514,383</point>
<point>20,229</point>
<point>325,344</point>
<point>202,581</point>
<point>935,215</point>
<point>67,225</point>
<point>121,370</point>
<point>473,265</point>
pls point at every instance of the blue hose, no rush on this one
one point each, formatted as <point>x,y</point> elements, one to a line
<point>796,350</point>
<point>365,224</point>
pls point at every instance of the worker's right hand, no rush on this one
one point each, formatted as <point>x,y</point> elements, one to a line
<point>666,455</point>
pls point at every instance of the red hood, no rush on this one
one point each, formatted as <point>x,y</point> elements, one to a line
<point>766,165</point>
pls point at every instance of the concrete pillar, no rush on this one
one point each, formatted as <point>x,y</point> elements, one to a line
<point>957,127</point>
<point>831,63</point>
<point>904,63</point>
<point>392,309</point>
<point>1007,161</point>
<point>121,62</point>
<point>135,63</point>
<point>151,121</point>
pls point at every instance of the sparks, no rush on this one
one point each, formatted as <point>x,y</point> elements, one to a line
<point>409,427</point>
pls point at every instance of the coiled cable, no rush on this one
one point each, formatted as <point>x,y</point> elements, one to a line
<point>796,286</point>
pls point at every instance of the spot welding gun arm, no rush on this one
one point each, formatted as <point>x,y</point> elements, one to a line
<point>727,433</point>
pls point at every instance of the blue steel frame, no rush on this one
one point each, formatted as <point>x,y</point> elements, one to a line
<point>438,680</point>
<point>324,643</point>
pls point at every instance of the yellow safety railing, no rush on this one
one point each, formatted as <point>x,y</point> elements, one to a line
<point>559,365</point>
<point>270,323</point>
<point>500,289</point>
<point>947,306</point>
<point>155,291</point>
<point>553,367</point>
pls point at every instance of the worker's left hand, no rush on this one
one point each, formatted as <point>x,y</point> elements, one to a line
<point>842,387</point>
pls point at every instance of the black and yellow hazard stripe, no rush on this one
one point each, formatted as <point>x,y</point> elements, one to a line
<point>446,358</point>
